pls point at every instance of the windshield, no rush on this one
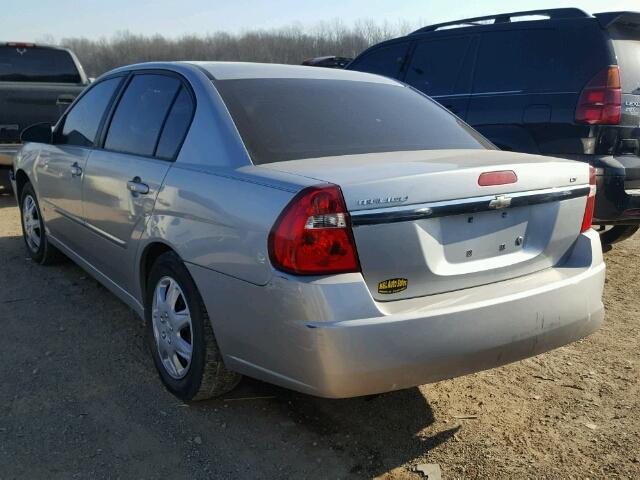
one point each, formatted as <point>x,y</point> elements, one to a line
<point>33,64</point>
<point>289,119</point>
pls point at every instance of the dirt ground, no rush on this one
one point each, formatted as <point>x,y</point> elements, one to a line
<point>79,398</point>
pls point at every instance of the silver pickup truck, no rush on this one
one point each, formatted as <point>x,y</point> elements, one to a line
<point>37,84</point>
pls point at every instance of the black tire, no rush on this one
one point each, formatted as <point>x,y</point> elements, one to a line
<point>43,253</point>
<point>617,233</point>
<point>206,375</point>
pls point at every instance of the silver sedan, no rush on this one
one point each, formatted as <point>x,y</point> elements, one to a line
<point>334,232</point>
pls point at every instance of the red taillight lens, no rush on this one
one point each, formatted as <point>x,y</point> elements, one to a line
<point>502,177</point>
<point>591,201</point>
<point>313,235</point>
<point>600,102</point>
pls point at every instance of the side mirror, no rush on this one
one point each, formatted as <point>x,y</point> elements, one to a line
<point>38,133</point>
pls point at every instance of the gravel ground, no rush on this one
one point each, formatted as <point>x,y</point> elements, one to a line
<point>79,398</point>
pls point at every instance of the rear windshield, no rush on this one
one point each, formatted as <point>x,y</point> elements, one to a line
<point>628,53</point>
<point>289,119</point>
<point>33,64</point>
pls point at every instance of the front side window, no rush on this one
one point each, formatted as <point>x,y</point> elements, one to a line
<point>386,60</point>
<point>290,119</point>
<point>140,114</point>
<point>80,125</point>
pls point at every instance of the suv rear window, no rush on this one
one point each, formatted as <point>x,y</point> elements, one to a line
<point>628,53</point>
<point>289,119</point>
<point>35,64</point>
<point>541,60</point>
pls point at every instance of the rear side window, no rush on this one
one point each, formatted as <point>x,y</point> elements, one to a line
<point>140,114</point>
<point>83,120</point>
<point>290,119</point>
<point>436,66</point>
<point>385,60</point>
<point>176,126</point>
<point>545,60</point>
<point>36,64</point>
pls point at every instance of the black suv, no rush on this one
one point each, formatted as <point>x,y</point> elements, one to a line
<point>555,82</point>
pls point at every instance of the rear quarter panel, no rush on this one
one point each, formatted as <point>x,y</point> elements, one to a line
<point>218,219</point>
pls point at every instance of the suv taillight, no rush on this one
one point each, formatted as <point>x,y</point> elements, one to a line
<point>587,219</point>
<point>313,235</point>
<point>600,102</point>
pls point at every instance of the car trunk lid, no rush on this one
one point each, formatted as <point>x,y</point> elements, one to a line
<point>423,225</point>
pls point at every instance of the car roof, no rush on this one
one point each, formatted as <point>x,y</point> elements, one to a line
<point>246,70</point>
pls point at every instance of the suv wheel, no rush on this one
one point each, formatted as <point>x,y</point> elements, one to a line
<point>180,336</point>
<point>33,231</point>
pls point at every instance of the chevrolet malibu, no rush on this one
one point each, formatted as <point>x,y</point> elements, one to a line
<point>333,232</point>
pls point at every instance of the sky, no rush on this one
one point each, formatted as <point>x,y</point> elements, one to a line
<point>34,20</point>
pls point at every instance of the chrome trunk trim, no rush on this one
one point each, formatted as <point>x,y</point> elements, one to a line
<point>407,213</point>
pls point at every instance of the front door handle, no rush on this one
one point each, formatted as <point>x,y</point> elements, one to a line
<point>136,186</point>
<point>76,171</point>
<point>65,100</point>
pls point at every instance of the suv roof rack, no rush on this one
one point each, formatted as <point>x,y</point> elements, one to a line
<point>552,13</point>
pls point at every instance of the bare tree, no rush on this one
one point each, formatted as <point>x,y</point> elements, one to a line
<point>289,44</point>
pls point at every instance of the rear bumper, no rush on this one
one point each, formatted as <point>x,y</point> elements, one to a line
<point>618,191</point>
<point>7,152</point>
<point>616,205</point>
<point>328,337</point>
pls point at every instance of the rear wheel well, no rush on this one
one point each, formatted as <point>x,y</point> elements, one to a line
<point>21,180</point>
<point>149,257</point>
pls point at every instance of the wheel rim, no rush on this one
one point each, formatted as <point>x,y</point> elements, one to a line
<point>31,222</point>
<point>172,327</point>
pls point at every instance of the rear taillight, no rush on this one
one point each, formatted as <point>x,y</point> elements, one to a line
<point>313,235</point>
<point>587,219</point>
<point>600,102</point>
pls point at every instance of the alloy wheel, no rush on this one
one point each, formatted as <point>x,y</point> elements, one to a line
<point>172,327</point>
<point>31,222</point>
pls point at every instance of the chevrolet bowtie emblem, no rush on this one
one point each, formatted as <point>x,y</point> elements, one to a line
<point>501,201</point>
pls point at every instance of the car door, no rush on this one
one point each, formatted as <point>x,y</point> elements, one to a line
<point>60,166</point>
<point>442,68</point>
<point>122,180</point>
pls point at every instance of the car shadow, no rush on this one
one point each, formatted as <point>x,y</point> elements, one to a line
<point>378,432</point>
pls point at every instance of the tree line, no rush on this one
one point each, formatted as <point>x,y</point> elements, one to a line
<point>283,45</point>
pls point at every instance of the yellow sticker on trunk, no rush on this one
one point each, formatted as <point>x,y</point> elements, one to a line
<point>393,285</point>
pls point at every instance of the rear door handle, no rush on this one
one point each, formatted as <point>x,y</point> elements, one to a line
<point>76,171</point>
<point>136,186</point>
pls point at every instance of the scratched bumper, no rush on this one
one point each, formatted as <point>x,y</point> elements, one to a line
<point>328,337</point>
